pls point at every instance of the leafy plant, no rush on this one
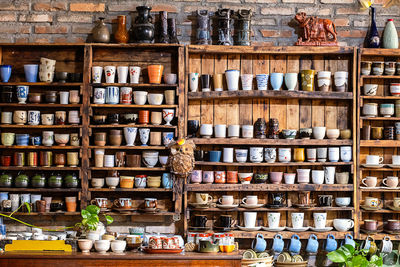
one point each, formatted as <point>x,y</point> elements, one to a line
<point>349,256</point>
<point>90,218</point>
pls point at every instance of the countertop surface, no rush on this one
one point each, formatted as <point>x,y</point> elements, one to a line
<point>123,256</point>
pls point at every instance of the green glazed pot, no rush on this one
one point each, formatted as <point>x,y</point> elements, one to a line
<point>55,181</point>
<point>260,178</point>
<point>22,181</point>
<point>5,180</point>
<point>38,181</point>
<point>71,181</point>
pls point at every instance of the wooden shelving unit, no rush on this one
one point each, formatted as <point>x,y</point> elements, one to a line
<point>293,109</point>
<point>385,148</point>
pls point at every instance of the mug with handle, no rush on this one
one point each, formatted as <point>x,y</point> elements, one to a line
<point>349,240</point>
<point>259,244</point>
<point>331,243</point>
<point>295,244</point>
<point>312,244</point>
<point>278,243</point>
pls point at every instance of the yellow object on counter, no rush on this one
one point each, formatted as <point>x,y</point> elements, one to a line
<point>38,245</point>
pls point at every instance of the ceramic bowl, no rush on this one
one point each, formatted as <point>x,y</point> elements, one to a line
<point>118,246</point>
<point>85,245</point>
<point>112,182</point>
<point>345,134</point>
<point>155,99</point>
<point>150,161</point>
<point>61,139</point>
<point>319,132</point>
<point>386,110</point>
<point>342,201</point>
<point>333,133</point>
<point>140,97</point>
<point>62,76</point>
<point>35,97</point>
<point>97,182</point>
<point>153,183</point>
<point>108,237</point>
<point>102,246</point>
<point>289,133</point>
<point>245,177</point>
<point>305,133</point>
<point>170,78</point>
<point>163,160</point>
<point>206,130</point>
<point>370,89</point>
<point>395,88</point>
<point>370,109</point>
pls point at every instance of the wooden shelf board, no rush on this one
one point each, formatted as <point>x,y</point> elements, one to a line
<point>380,118</point>
<point>130,147</point>
<point>138,213</point>
<point>40,105</point>
<point>41,147</point>
<point>379,52</point>
<point>131,106</point>
<point>133,125</point>
<point>268,187</point>
<point>275,164</point>
<point>269,94</point>
<point>379,143</point>
<point>288,234</point>
<point>39,168</point>
<point>379,189</point>
<point>25,126</point>
<point>150,85</point>
<point>291,209</point>
<point>380,76</point>
<point>380,97</point>
<point>379,169</point>
<point>63,213</point>
<point>128,169</point>
<point>130,190</point>
<point>295,50</point>
<point>55,84</point>
<point>380,236</point>
<point>46,189</point>
<point>277,142</point>
<point>135,45</point>
<point>379,211</point>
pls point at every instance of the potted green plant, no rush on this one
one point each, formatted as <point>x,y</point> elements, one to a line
<point>91,223</point>
<point>349,256</point>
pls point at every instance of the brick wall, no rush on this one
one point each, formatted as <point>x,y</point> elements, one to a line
<point>72,20</point>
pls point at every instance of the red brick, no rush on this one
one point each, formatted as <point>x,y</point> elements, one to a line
<point>4,28</point>
<point>121,7</point>
<point>299,1</point>
<point>8,17</point>
<point>350,11</point>
<point>87,7</point>
<point>36,18</point>
<point>51,29</point>
<point>315,11</point>
<point>60,40</point>
<point>275,33</point>
<point>352,33</point>
<point>9,6</point>
<point>277,10</point>
<point>342,22</point>
<point>168,8</point>
<point>82,29</point>
<point>54,6</point>
<point>22,40</point>
<point>41,40</point>
<point>337,2</point>
<point>261,1</point>
<point>75,18</point>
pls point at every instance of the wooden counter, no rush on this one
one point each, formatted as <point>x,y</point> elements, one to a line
<point>61,259</point>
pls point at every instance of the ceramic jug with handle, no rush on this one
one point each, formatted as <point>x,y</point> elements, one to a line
<point>312,244</point>
<point>349,240</point>
<point>295,244</point>
<point>278,243</point>
<point>331,243</point>
<point>259,244</point>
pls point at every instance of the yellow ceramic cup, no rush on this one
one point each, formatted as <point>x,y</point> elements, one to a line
<point>299,155</point>
<point>307,80</point>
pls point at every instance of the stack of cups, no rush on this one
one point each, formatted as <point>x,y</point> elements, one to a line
<point>46,69</point>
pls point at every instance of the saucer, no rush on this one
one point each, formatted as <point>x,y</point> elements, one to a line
<point>227,206</point>
<point>273,229</point>
<point>369,232</point>
<point>272,206</point>
<point>149,210</point>
<point>326,229</point>
<point>373,166</point>
<point>370,208</point>
<point>302,229</point>
<point>304,206</point>
<point>199,229</point>
<point>223,229</point>
<point>388,188</point>
<point>253,206</point>
<point>393,208</point>
<point>393,232</point>
<point>125,210</point>
<point>249,229</point>
<point>394,166</point>
<point>200,206</point>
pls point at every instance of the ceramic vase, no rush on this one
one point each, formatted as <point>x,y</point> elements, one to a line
<point>121,35</point>
<point>100,32</point>
<point>390,37</point>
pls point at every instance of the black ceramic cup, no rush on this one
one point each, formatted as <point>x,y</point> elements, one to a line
<point>205,82</point>
<point>193,127</point>
<point>200,221</point>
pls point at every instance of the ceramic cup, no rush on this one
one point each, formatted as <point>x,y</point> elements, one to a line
<point>276,80</point>
<point>273,219</point>
<point>109,72</point>
<point>391,181</point>
<point>232,79</point>
<point>373,160</point>
<point>297,220</point>
<point>97,72</point>
<point>262,81</point>
<point>319,220</point>
<point>247,82</point>
<point>250,219</point>
<point>291,81</point>
<point>193,81</point>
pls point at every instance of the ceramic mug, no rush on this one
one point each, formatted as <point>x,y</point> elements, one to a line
<point>372,202</point>
<point>373,160</point>
<point>297,220</point>
<point>259,244</point>
<point>370,181</point>
<point>295,244</point>
<point>226,200</point>
<point>256,154</point>
<point>391,181</point>
<point>250,200</point>
<point>204,198</point>
<point>250,219</point>
<point>278,243</point>
<point>331,243</point>
<point>312,244</point>
<point>273,219</point>
<point>320,220</point>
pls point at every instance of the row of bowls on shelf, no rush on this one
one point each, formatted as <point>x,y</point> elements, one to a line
<point>155,72</point>
<point>269,155</point>
<point>326,176</point>
<point>276,80</point>
<point>23,94</point>
<point>33,117</point>
<point>380,67</point>
<point>233,131</point>
<point>47,139</point>
<point>371,89</point>
<point>137,181</point>
<point>142,117</point>
<point>385,109</point>
<point>130,134</point>
<point>22,180</point>
<point>123,95</point>
<point>150,159</point>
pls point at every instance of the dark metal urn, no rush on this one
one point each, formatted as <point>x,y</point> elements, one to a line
<point>173,38</point>
<point>143,28</point>
<point>203,35</point>
<point>244,27</point>
<point>225,23</point>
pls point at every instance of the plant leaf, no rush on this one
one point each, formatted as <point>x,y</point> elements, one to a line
<point>28,207</point>
<point>335,256</point>
<point>93,209</point>
<point>360,261</point>
<point>109,219</point>
<point>350,248</point>
<point>85,214</point>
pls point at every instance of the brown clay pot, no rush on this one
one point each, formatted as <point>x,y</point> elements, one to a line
<point>100,139</point>
<point>115,140</point>
<point>59,160</point>
<point>155,72</point>
<point>144,116</point>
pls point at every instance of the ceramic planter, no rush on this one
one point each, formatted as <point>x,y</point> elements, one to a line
<point>155,73</point>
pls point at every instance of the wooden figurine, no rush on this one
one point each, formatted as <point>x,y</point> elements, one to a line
<point>181,157</point>
<point>316,31</point>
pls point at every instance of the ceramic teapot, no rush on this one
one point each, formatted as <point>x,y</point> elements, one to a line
<point>206,246</point>
<point>22,180</point>
<point>38,180</point>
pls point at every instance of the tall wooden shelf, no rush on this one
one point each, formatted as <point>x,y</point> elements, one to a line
<point>294,110</point>
<point>385,148</point>
<point>79,58</point>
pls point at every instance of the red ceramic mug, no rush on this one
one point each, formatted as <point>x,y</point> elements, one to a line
<point>5,161</point>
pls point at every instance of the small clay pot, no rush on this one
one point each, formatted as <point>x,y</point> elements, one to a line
<point>51,97</point>
<point>115,132</point>
<point>59,159</point>
<point>100,139</point>
<point>115,140</point>
<point>35,97</point>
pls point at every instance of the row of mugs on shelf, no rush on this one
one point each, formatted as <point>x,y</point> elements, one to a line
<point>276,200</point>
<point>120,159</point>
<point>23,94</point>
<point>374,203</point>
<point>274,218</point>
<point>123,95</point>
<point>326,176</point>
<point>138,181</point>
<point>385,109</point>
<point>276,80</point>
<point>130,133</point>
<point>143,117</point>
<point>42,158</point>
<point>22,180</point>
<point>47,139</point>
<point>116,118</point>
<point>11,202</point>
<point>150,204</point>
<point>389,181</point>
<point>249,131</point>
<point>372,226</point>
<point>379,133</point>
<point>33,117</point>
<point>371,89</point>
<point>269,154</point>
<point>376,161</point>
<point>155,72</point>
<point>380,67</point>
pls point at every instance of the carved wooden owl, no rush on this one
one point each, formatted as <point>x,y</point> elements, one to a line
<point>181,157</point>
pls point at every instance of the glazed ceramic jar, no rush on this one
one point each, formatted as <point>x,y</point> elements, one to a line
<point>7,139</point>
<point>260,128</point>
<point>48,138</point>
<point>20,117</point>
<point>370,109</point>
<point>307,80</point>
<point>284,154</point>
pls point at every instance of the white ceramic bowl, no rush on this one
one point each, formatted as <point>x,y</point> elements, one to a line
<point>170,78</point>
<point>150,161</point>
<point>342,201</point>
<point>150,153</point>
<point>155,99</point>
<point>395,88</point>
<point>319,132</point>
<point>163,160</point>
<point>370,89</point>
<point>206,130</point>
<point>102,246</point>
<point>333,133</point>
<point>140,97</point>
<point>61,139</point>
<point>97,182</point>
<point>245,177</point>
<point>118,246</point>
<point>112,182</point>
<point>85,245</point>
